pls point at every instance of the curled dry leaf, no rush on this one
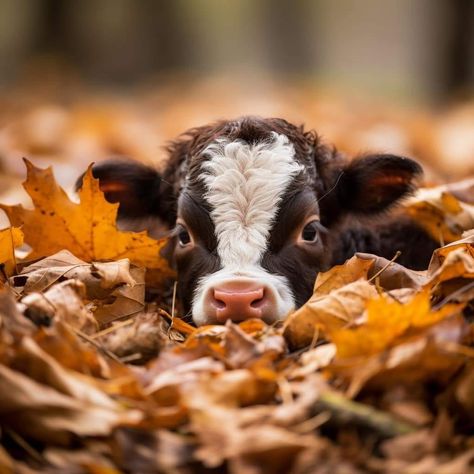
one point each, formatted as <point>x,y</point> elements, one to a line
<point>87,229</point>
<point>328,312</point>
<point>124,301</point>
<point>389,275</point>
<point>10,238</point>
<point>110,290</point>
<point>142,340</point>
<point>98,277</point>
<point>452,261</point>
<point>443,215</point>
<point>63,301</point>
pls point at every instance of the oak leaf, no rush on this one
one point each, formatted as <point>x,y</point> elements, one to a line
<point>86,229</point>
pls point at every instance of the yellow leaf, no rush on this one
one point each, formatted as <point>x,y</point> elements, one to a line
<point>9,239</point>
<point>87,229</point>
<point>386,321</point>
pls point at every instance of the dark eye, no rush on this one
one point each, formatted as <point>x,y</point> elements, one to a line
<point>183,236</point>
<point>310,232</point>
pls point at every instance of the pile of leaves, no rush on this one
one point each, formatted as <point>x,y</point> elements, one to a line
<point>375,373</point>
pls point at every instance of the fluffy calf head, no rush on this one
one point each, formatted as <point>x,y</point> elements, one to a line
<point>253,204</point>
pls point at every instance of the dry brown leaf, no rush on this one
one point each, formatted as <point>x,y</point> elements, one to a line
<point>34,362</point>
<point>313,360</point>
<point>328,312</point>
<point>99,278</point>
<point>391,275</point>
<point>144,338</point>
<point>10,316</point>
<point>87,229</point>
<point>455,260</point>
<point>465,391</point>
<point>443,215</point>
<point>9,239</point>
<point>124,301</point>
<point>114,290</point>
<point>227,433</point>
<point>47,415</point>
<point>63,301</point>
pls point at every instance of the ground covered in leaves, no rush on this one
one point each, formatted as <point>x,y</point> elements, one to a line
<point>99,375</point>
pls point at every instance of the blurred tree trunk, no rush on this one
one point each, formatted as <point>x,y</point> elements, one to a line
<point>19,24</point>
<point>460,61</point>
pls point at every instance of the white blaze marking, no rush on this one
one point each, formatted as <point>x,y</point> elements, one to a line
<point>245,183</point>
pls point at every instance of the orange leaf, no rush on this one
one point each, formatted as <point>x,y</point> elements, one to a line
<point>9,239</point>
<point>87,229</point>
<point>386,322</point>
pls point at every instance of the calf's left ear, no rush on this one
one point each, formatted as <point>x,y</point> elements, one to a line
<point>135,186</point>
<point>373,183</point>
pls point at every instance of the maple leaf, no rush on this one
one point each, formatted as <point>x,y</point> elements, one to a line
<point>9,239</point>
<point>86,229</point>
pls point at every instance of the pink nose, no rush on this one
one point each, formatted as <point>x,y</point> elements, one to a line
<point>238,301</point>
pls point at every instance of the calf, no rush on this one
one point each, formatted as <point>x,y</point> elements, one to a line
<point>257,207</point>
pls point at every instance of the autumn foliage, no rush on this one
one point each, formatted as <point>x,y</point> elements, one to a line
<point>375,373</point>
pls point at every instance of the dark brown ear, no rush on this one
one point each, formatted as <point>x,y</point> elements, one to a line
<point>369,185</point>
<point>373,183</point>
<point>134,185</point>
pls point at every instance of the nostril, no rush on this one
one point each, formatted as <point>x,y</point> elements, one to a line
<point>257,303</point>
<point>218,302</point>
<point>259,300</point>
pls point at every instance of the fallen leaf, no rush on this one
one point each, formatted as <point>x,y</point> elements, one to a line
<point>328,312</point>
<point>144,338</point>
<point>87,229</point>
<point>354,269</point>
<point>386,321</point>
<point>63,301</point>
<point>45,414</point>
<point>426,356</point>
<point>99,278</point>
<point>455,260</point>
<point>124,301</point>
<point>9,239</point>
<point>443,215</point>
<point>391,275</point>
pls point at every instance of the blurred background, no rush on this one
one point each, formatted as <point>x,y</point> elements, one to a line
<point>81,80</point>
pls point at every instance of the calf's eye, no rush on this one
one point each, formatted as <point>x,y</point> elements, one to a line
<point>310,232</point>
<point>183,237</point>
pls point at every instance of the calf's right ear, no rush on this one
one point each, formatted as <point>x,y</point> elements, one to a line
<point>369,185</point>
<point>135,186</point>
